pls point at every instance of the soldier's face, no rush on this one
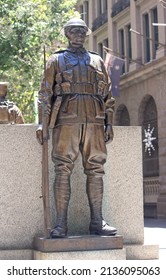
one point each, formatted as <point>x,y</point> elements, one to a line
<point>76,36</point>
<point>3,91</point>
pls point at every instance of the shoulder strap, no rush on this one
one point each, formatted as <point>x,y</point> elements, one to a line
<point>93,52</point>
<point>61,62</point>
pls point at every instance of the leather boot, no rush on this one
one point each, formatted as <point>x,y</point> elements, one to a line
<point>94,189</point>
<point>62,197</point>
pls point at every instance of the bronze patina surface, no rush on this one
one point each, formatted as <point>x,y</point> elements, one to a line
<point>9,112</point>
<point>80,106</point>
<point>78,243</point>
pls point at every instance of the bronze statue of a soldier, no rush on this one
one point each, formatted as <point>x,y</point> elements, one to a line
<point>80,111</point>
<point>9,112</point>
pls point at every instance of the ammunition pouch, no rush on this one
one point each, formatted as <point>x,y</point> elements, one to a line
<point>66,82</point>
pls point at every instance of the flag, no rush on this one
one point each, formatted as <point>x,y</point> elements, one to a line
<point>114,66</point>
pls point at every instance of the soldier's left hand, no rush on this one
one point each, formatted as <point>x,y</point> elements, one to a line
<point>109,134</point>
<point>39,134</point>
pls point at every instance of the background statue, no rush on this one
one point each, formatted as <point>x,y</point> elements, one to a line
<point>9,112</point>
<point>80,111</point>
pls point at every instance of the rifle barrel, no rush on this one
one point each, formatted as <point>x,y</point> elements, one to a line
<point>45,170</point>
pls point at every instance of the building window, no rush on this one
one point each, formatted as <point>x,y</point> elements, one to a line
<point>102,16</point>
<point>101,46</point>
<point>151,37</point>
<point>105,5</point>
<point>105,44</point>
<point>122,46</point>
<point>129,47</point>
<point>124,117</point>
<point>125,46</point>
<point>100,49</point>
<point>146,37</point>
<point>102,7</point>
<point>155,35</point>
<point>84,12</point>
<point>150,161</point>
<point>81,10</point>
<point>99,7</point>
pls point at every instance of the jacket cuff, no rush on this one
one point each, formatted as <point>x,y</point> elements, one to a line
<point>109,118</point>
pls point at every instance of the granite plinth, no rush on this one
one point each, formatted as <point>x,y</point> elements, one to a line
<point>20,194</point>
<point>21,254</point>
<point>119,254</point>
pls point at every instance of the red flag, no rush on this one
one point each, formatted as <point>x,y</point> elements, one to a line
<point>114,66</point>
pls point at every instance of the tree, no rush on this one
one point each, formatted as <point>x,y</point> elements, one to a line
<point>25,26</point>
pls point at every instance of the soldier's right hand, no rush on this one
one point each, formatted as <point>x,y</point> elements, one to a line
<point>39,134</point>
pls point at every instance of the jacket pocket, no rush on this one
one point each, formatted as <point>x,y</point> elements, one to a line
<point>69,107</point>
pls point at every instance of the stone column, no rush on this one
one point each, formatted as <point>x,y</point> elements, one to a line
<point>161,209</point>
<point>91,18</point>
<point>112,30</point>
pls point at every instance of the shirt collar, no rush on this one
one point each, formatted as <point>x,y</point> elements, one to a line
<point>76,50</point>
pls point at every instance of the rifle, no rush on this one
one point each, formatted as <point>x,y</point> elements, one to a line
<point>45,170</point>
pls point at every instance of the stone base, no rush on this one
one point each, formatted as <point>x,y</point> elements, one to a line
<point>24,254</point>
<point>129,252</point>
<point>142,252</point>
<point>119,254</point>
<point>78,243</point>
<point>92,248</point>
<point>123,172</point>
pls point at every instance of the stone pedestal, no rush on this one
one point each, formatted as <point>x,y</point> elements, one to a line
<point>22,209</point>
<point>119,254</point>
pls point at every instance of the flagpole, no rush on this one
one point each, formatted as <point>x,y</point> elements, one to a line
<point>124,56</point>
<point>158,24</point>
<point>140,34</point>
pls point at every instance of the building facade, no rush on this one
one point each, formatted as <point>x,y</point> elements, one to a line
<point>127,28</point>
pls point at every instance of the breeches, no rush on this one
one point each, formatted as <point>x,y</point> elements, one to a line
<point>68,140</point>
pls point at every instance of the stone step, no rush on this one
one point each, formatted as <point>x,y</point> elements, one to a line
<point>119,254</point>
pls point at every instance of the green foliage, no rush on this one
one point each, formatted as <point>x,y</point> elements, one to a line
<point>25,26</point>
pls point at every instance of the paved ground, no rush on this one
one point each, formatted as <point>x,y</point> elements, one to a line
<point>155,233</point>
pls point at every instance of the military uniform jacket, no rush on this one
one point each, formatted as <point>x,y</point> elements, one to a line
<point>79,79</point>
<point>10,113</point>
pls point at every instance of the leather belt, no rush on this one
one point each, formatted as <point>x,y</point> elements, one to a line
<point>83,88</point>
<point>78,88</point>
